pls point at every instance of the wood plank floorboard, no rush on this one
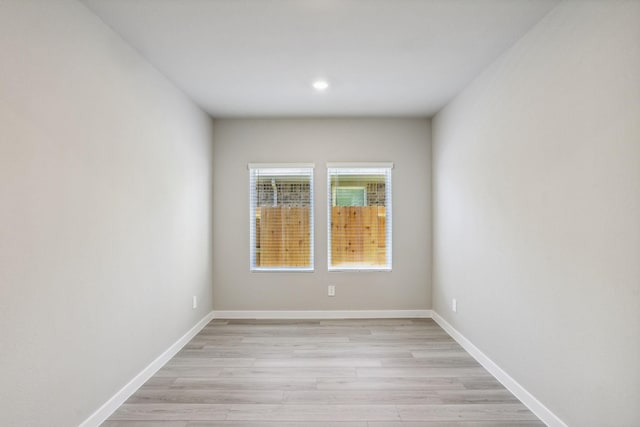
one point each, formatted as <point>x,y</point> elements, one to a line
<point>322,373</point>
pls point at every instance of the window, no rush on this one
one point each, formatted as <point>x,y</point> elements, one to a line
<point>281,217</point>
<point>349,196</point>
<point>359,216</point>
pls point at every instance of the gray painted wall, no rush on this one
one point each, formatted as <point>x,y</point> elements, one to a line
<point>105,193</point>
<point>537,212</point>
<point>405,142</point>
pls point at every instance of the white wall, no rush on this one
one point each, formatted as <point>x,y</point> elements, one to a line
<point>537,212</point>
<point>104,213</point>
<point>405,142</point>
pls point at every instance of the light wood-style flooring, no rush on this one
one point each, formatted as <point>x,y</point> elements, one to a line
<point>320,373</point>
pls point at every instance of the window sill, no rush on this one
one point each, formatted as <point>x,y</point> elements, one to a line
<point>360,269</point>
<point>282,270</point>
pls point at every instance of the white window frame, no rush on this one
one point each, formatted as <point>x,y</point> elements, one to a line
<point>278,169</point>
<point>385,168</point>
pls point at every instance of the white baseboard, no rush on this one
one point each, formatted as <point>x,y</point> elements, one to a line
<point>534,405</point>
<point>320,314</point>
<point>99,416</point>
<point>541,411</point>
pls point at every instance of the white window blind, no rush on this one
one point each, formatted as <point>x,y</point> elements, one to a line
<point>281,217</point>
<point>359,216</point>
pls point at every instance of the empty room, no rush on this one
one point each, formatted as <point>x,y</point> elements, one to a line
<point>320,213</point>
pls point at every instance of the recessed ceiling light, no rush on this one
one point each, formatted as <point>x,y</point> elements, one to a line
<point>320,85</point>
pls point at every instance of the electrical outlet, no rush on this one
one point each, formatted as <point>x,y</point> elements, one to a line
<point>454,305</point>
<point>331,291</point>
<point>195,301</point>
